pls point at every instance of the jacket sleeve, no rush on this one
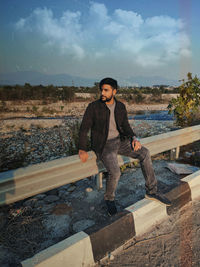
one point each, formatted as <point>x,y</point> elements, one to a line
<point>86,125</point>
<point>126,126</point>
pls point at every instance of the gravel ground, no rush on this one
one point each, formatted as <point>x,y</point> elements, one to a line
<point>40,140</point>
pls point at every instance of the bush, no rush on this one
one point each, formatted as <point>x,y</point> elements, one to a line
<point>3,106</point>
<point>48,110</point>
<point>185,107</point>
<point>139,98</point>
<point>34,109</point>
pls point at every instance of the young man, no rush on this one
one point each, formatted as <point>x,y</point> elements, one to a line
<point>111,135</point>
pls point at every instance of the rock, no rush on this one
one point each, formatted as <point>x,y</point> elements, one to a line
<point>89,193</point>
<point>71,188</point>
<point>61,193</point>
<point>39,204</point>
<point>196,158</point>
<point>57,226</point>
<point>3,220</point>
<point>46,208</point>
<point>61,208</point>
<point>65,187</point>
<point>65,195</point>
<point>40,196</point>
<point>197,153</point>
<point>51,198</point>
<point>93,195</point>
<point>7,258</point>
<point>82,225</point>
<point>80,183</point>
<point>89,189</point>
<point>30,202</point>
<point>187,154</point>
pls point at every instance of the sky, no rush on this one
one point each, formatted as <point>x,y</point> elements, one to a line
<point>95,39</point>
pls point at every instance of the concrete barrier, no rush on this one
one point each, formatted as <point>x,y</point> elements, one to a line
<point>74,251</point>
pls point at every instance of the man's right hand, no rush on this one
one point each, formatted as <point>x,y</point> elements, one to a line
<point>83,155</point>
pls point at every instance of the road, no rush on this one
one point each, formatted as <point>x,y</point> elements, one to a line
<point>174,242</point>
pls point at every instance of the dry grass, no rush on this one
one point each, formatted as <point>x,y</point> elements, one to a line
<point>22,231</point>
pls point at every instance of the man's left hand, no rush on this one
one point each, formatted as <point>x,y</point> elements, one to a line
<point>136,144</point>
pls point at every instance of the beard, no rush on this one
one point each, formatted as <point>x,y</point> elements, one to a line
<point>105,99</point>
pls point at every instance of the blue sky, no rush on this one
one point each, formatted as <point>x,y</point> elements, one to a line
<point>94,39</point>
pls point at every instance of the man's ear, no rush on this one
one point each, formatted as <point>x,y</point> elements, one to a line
<point>114,92</point>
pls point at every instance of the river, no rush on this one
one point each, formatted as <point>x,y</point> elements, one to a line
<point>161,115</point>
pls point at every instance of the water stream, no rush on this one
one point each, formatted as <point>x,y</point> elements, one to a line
<point>138,115</point>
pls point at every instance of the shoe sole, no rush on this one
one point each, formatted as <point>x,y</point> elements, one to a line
<point>155,199</point>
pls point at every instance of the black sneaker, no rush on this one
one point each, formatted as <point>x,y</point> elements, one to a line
<point>159,197</point>
<point>112,210</point>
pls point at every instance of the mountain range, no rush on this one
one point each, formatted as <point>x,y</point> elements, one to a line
<point>36,78</point>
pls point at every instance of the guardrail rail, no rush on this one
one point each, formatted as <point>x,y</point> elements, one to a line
<point>26,182</point>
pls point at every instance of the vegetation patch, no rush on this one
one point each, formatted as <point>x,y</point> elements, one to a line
<point>186,106</point>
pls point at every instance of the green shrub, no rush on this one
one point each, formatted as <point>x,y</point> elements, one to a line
<point>34,109</point>
<point>48,110</point>
<point>186,106</point>
<point>3,106</point>
<point>139,98</point>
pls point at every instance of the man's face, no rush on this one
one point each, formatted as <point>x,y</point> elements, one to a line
<point>107,93</point>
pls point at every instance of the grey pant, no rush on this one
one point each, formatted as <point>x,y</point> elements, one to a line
<point>109,158</point>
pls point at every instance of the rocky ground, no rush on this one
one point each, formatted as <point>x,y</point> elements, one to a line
<point>31,225</point>
<point>43,140</point>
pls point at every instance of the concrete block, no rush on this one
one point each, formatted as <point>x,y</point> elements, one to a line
<point>112,236</point>
<point>179,196</point>
<point>146,213</point>
<point>74,251</point>
<point>193,181</point>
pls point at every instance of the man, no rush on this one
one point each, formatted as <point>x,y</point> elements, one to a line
<point>111,135</point>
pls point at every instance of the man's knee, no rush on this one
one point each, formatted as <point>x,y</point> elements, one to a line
<point>116,173</point>
<point>144,153</point>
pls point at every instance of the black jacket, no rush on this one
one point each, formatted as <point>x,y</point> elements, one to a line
<point>96,118</point>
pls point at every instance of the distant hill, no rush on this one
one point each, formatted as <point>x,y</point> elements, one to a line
<point>36,78</point>
<point>149,81</point>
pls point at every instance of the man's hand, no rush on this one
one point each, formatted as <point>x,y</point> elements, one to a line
<point>83,155</point>
<point>136,144</point>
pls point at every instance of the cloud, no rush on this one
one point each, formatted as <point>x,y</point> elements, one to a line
<point>64,33</point>
<point>154,41</point>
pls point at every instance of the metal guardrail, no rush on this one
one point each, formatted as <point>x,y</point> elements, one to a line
<point>26,182</point>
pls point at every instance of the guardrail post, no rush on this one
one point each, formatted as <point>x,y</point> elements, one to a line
<point>99,180</point>
<point>177,152</point>
<point>174,153</point>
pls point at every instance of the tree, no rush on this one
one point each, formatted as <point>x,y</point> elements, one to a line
<point>156,95</point>
<point>186,105</point>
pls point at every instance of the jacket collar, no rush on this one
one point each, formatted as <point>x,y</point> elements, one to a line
<point>103,103</point>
